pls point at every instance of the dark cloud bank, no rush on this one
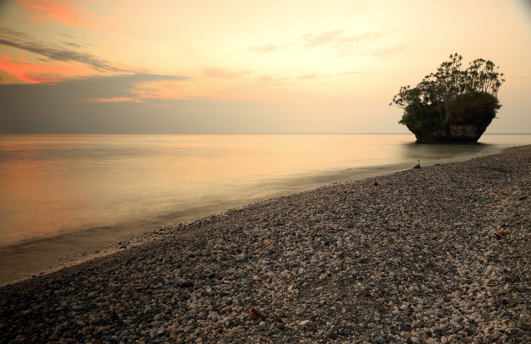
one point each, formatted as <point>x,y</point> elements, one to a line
<point>66,107</point>
<point>19,40</point>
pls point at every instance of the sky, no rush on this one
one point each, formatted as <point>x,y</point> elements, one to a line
<point>244,66</point>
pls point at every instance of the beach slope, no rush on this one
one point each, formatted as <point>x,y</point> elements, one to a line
<point>437,254</point>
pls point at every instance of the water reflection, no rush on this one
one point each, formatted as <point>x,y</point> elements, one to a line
<point>64,193</point>
<point>443,152</point>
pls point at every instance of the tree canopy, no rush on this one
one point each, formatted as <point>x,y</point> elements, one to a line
<point>452,95</point>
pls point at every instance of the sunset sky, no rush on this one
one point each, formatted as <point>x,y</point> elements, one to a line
<point>235,66</point>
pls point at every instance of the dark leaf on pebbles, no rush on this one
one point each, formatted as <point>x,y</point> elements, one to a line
<point>185,284</point>
<point>279,319</point>
<point>332,334</point>
<point>256,315</point>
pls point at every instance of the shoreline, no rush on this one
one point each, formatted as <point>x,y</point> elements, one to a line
<point>46,255</point>
<point>429,255</point>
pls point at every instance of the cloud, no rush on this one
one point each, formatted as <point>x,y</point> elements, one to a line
<point>26,42</point>
<point>34,73</point>
<point>115,100</point>
<point>75,45</point>
<point>201,98</point>
<point>387,52</point>
<point>114,88</point>
<point>93,104</point>
<point>84,90</point>
<point>338,37</point>
<point>316,75</point>
<point>337,42</point>
<point>220,73</point>
<point>110,104</point>
<point>61,11</point>
<point>268,48</point>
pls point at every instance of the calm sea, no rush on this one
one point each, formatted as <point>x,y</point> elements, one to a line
<point>65,195</point>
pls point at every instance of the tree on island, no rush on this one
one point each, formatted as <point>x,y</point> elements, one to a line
<point>452,105</point>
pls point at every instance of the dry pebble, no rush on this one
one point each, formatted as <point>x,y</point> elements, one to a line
<point>438,254</point>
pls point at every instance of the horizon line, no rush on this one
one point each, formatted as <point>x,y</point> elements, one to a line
<point>228,133</point>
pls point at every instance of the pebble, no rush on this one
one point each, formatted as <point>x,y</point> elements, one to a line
<point>331,334</point>
<point>434,255</point>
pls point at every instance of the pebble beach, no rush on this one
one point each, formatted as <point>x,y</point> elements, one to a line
<point>437,254</point>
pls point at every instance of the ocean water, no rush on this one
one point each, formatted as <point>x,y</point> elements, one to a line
<point>62,196</point>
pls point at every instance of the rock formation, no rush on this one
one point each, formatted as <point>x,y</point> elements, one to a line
<point>464,133</point>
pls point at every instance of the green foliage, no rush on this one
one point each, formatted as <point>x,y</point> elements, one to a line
<point>452,95</point>
<point>475,108</point>
<point>421,115</point>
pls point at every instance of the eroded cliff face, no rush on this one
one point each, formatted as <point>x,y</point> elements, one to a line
<point>450,133</point>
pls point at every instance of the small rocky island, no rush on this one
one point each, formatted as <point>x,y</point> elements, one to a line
<point>452,105</point>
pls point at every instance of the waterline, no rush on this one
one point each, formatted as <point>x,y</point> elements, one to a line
<point>66,196</point>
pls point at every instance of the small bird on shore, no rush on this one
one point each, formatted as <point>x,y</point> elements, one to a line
<point>417,165</point>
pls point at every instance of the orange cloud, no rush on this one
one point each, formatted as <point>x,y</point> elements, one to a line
<point>165,89</point>
<point>59,10</point>
<point>263,89</point>
<point>32,73</point>
<point>116,100</point>
<point>211,89</point>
